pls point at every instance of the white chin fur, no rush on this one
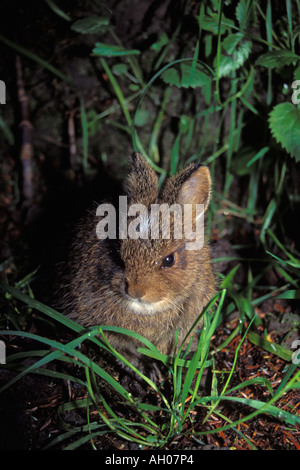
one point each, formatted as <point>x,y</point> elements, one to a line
<point>144,308</point>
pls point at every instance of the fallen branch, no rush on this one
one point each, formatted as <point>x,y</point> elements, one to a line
<point>26,154</point>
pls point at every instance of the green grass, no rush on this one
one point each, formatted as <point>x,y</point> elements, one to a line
<point>150,425</point>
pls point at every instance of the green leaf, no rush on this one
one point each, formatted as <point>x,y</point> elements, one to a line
<point>231,42</point>
<point>185,76</point>
<point>111,50</point>
<point>240,11</point>
<point>90,25</point>
<point>32,56</point>
<point>7,132</point>
<point>160,43</point>
<point>284,122</point>
<point>211,23</point>
<point>269,346</point>
<point>94,125</point>
<point>238,51</point>
<point>289,294</point>
<point>239,164</point>
<point>228,280</point>
<point>255,381</point>
<point>245,14</point>
<point>120,69</point>
<point>258,155</point>
<point>297,73</point>
<point>141,117</point>
<point>58,10</point>
<point>285,416</point>
<point>278,59</point>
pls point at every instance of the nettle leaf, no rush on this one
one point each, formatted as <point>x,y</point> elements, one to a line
<point>231,42</point>
<point>111,50</point>
<point>186,76</point>
<point>211,23</point>
<point>245,13</point>
<point>241,11</point>
<point>238,51</point>
<point>91,25</point>
<point>284,122</point>
<point>278,59</point>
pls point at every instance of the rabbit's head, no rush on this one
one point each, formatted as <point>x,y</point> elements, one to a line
<point>162,266</point>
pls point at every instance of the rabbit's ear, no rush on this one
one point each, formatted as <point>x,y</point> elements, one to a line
<point>196,189</point>
<point>141,185</point>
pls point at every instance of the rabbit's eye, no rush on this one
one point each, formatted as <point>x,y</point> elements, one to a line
<point>168,261</point>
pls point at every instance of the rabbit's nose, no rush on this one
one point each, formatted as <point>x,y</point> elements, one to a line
<point>135,291</point>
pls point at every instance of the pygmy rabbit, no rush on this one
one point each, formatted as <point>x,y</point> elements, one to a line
<point>150,286</point>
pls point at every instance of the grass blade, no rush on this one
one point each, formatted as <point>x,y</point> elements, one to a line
<point>269,346</point>
<point>32,56</point>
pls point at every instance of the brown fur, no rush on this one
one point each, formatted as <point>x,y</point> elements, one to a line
<point>107,275</point>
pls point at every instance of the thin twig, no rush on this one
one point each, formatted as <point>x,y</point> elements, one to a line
<point>26,135</point>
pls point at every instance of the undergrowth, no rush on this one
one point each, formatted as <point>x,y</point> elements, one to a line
<point>152,425</point>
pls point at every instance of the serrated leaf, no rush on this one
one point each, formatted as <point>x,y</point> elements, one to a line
<point>241,11</point>
<point>184,76</point>
<point>238,56</point>
<point>284,122</point>
<point>278,59</point>
<point>211,23</point>
<point>111,50</point>
<point>90,25</point>
<point>231,42</point>
<point>245,14</point>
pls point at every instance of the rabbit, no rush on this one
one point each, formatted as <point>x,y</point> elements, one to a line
<point>150,286</point>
